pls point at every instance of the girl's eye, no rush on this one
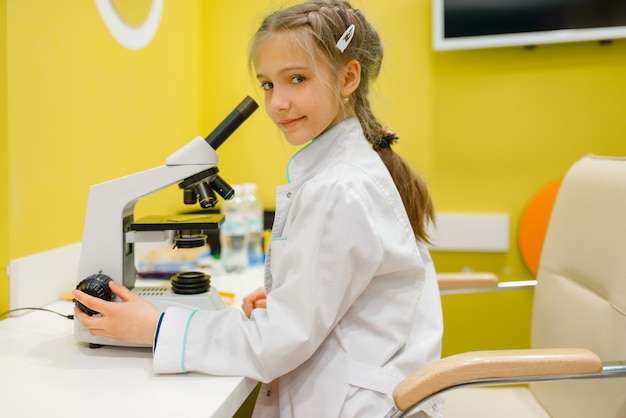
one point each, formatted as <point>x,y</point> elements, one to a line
<point>267,85</point>
<point>297,79</point>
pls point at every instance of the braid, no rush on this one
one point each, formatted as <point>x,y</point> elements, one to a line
<point>317,25</point>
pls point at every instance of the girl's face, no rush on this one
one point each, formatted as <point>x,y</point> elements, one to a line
<point>297,97</point>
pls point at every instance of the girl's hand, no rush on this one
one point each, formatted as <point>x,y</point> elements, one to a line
<point>254,300</point>
<point>134,320</point>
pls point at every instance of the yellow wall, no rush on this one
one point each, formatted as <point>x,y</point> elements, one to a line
<point>513,120</point>
<point>486,128</point>
<point>84,109</point>
<point>4,174</point>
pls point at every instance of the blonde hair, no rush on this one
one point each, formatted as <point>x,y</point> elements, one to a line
<point>317,25</point>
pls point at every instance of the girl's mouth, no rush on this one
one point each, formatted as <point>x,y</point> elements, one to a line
<point>290,123</point>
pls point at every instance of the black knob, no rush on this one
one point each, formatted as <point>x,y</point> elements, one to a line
<point>95,285</point>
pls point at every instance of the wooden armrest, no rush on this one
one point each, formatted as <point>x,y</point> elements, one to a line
<point>466,280</point>
<point>460,368</point>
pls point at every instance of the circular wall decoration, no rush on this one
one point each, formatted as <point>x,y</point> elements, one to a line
<point>534,225</point>
<point>132,37</point>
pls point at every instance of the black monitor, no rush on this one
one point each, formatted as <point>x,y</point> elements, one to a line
<point>468,24</point>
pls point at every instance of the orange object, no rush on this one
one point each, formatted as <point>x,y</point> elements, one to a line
<point>534,224</point>
<point>67,296</point>
<point>228,297</point>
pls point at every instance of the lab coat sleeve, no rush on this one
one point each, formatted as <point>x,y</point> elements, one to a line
<point>330,252</point>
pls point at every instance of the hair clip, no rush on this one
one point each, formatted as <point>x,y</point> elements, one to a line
<point>345,39</point>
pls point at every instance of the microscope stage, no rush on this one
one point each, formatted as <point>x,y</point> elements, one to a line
<point>178,222</point>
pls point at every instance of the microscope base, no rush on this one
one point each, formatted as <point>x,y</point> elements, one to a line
<point>163,297</point>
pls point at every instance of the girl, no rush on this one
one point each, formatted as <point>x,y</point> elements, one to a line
<point>351,304</point>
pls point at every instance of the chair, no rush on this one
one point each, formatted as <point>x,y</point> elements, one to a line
<point>576,364</point>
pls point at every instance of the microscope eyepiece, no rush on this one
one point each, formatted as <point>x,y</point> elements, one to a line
<point>232,122</point>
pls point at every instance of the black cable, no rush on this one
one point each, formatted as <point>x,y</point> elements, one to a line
<point>36,309</point>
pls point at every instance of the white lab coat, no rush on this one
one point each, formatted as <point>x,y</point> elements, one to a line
<point>353,304</point>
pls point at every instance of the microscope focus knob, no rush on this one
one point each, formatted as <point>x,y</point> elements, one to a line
<point>95,285</point>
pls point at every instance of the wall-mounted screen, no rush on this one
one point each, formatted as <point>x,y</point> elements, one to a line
<point>468,24</point>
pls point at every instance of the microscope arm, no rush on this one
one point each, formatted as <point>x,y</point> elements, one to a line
<point>111,205</point>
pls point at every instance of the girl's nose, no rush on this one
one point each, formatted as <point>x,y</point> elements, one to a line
<point>279,101</point>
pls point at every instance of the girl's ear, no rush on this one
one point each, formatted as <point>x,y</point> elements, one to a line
<point>351,78</point>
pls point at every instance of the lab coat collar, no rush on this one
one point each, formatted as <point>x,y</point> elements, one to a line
<point>315,155</point>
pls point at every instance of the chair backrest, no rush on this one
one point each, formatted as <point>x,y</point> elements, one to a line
<point>580,298</point>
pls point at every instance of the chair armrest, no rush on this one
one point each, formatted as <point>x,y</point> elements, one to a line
<point>466,280</point>
<point>469,367</point>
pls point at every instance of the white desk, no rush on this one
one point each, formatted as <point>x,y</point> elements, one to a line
<point>45,373</point>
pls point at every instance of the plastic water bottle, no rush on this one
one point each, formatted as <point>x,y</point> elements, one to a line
<point>254,209</point>
<point>234,233</point>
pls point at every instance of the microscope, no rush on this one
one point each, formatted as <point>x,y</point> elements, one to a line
<point>110,230</point>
